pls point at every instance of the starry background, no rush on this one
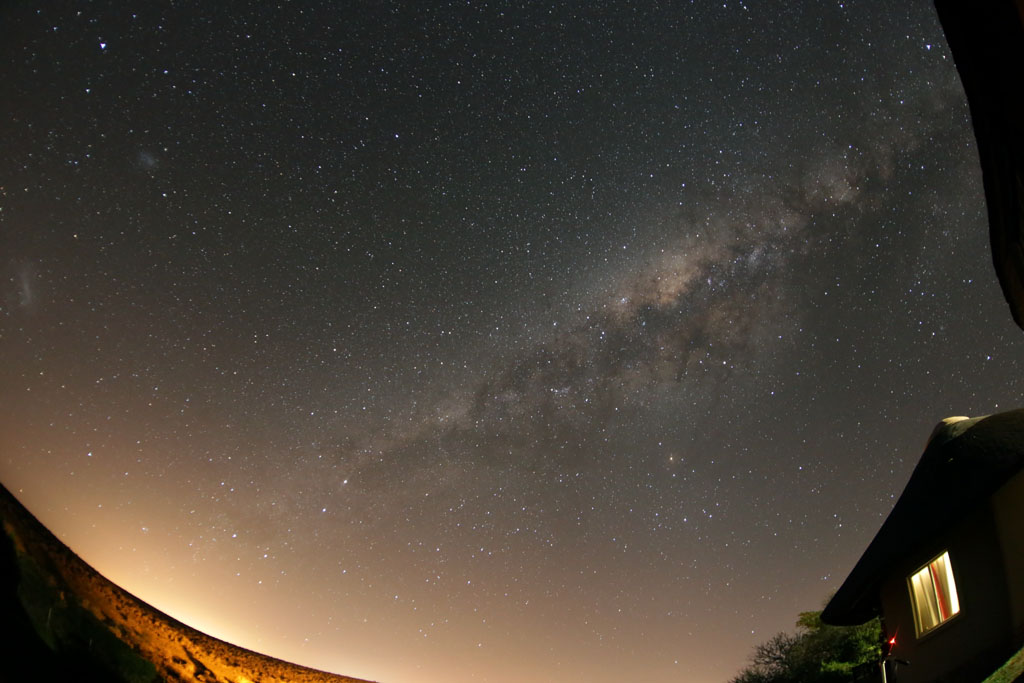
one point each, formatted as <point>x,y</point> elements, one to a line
<point>485,341</point>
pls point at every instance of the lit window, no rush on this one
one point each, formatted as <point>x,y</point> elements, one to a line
<point>933,592</point>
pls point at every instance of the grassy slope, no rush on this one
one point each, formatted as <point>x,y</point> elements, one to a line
<point>73,624</point>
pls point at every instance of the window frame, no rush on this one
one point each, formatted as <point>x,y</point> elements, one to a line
<point>952,600</point>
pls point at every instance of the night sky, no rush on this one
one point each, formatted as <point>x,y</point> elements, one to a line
<point>485,341</point>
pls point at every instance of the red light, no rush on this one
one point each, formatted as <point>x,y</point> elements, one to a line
<point>892,641</point>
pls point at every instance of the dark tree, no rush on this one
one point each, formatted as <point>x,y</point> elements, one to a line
<point>816,653</point>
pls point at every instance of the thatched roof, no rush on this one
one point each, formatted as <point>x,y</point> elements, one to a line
<point>987,42</point>
<point>965,462</point>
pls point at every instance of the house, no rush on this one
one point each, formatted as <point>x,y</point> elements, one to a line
<point>946,570</point>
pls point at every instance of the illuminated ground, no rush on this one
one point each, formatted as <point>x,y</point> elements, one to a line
<point>98,631</point>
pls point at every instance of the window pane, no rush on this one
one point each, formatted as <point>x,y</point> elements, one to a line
<point>933,593</point>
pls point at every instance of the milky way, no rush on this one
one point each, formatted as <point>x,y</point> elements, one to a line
<point>477,342</point>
